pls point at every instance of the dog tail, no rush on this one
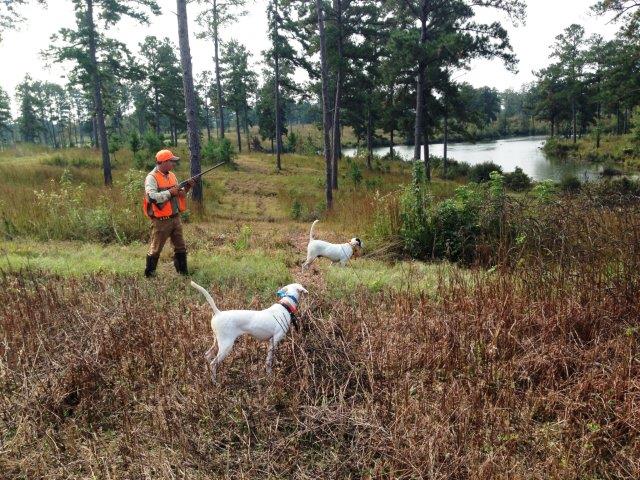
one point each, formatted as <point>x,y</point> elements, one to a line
<point>311,231</point>
<point>207,296</point>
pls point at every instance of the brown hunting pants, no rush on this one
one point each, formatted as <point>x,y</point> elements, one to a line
<point>161,230</point>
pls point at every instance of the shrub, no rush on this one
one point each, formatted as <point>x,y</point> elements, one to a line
<point>135,144</point>
<point>517,180</point>
<point>455,170</point>
<point>354,173</point>
<point>557,148</point>
<point>570,184</point>
<point>296,210</point>
<point>244,239</point>
<point>610,172</point>
<point>481,172</point>
<point>216,151</point>
<point>152,144</point>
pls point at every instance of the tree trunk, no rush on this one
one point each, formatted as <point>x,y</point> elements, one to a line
<point>97,96</point>
<point>326,119</point>
<point>238,131</point>
<point>156,110</point>
<point>574,116</point>
<point>369,138</point>
<point>208,119</point>
<point>246,126</point>
<point>193,132</point>
<point>277,86</point>
<point>427,158</point>
<point>419,128</point>
<point>218,83</point>
<point>446,140</point>
<point>337,150</point>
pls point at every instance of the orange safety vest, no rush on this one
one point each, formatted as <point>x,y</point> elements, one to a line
<point>171,207</point>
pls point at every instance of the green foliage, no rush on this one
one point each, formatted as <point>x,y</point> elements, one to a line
<point>455,169</point>
<point>135,143</point>
<point>556,148</point>
<point>244,239</point>
<point>76,161</point>
<point>544,191</point>
<point>481,172</point>
<point>296,210</point>
<point>454,228</point>
<point>570,184</point>
<point>216,151</point>
<point>517,180</point>
<point>354,173</point>
<point>97,220</point>
<point>153,143</point>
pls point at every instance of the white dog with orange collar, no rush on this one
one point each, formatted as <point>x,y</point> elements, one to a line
<point>270,324</point>
<point>336,252</point>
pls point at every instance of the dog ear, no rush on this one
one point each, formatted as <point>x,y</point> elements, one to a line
<point>302,289</point>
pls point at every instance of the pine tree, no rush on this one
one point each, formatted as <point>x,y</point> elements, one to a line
<point>218,14</point>
<point>86,46</point>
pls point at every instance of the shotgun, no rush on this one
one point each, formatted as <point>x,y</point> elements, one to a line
<point>196,177</point>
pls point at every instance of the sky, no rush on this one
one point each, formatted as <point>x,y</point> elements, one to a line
<point>20,50</point>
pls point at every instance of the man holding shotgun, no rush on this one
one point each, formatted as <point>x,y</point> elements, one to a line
<point>164,199</point>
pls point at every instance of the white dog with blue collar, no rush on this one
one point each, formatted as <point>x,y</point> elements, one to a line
<point>336,252</point>
<point>270,324</point>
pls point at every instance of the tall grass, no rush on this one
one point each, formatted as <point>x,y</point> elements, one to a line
<point>491,378</point>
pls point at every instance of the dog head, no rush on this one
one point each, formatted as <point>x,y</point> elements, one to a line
<point>356,243</point>
<point>292,290</point>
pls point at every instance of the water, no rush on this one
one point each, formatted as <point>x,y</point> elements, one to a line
<point>523,152</point>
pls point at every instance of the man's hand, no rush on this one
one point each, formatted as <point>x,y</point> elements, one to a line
<point>174,191</point>
<point>190,183</point>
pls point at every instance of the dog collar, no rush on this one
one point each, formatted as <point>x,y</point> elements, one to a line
<point>292,308</point>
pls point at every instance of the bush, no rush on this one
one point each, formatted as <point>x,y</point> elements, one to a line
<point>481,172</point>
<point>296,210</point>
<point>153,143</point>
<point>354,173</point>
<point>570,184</point>
<point>135,144</point>
<point>610,172</point>
<point>465,228</point>
<point>455,170</point>
<point>216,151</point>
<point>557,148</point>
<point>517,180</point>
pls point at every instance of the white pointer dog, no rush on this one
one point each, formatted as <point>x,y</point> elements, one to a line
<point>336,252</point>
<point>270,324</point>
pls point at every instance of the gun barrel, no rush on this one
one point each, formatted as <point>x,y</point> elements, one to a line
<point>195,177</point>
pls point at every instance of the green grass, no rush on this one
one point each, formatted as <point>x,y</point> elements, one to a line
<point>376,275</point>
<point>259,273</point>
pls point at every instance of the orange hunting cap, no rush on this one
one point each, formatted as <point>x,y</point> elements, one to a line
<point>165,156</point>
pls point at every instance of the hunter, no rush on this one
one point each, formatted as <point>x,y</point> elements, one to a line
<point>163,202</point>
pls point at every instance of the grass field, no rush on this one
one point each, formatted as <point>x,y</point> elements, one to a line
<point>401,369</point>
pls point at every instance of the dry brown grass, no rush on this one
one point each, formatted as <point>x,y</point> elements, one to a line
<point>495,379</point>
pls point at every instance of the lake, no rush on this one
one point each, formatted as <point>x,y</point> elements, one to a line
<point>523,152</point>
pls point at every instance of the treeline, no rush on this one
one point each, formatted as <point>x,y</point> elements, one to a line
<point>592,84</point>
<point>387,69</point>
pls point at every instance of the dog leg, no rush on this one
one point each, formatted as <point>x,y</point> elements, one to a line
<point>273,343</point>
<point>223,350</point>
<point>308,262</point>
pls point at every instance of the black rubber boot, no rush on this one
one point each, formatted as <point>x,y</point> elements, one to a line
<point>180,262</point>
<point>152,263</point>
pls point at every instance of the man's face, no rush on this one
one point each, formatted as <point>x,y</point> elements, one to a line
<point>165,167</point>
